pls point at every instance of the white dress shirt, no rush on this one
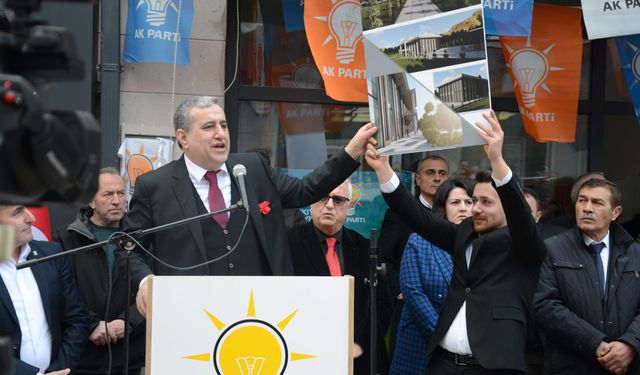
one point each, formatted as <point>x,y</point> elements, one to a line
<point>425,202</point>
<point>604,254</point>
<point>456,340</point>
<point>35,347</point>
<point>196,174</point>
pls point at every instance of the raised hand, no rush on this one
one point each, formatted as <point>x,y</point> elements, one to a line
<point>494,136</point>
<point>380,164</point>
<point>357,146</point>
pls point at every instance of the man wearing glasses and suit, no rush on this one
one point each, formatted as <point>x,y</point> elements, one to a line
<point>323,247</point>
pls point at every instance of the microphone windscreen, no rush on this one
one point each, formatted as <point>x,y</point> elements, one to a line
<point>239,170</point>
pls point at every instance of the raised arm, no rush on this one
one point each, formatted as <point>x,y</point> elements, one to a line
<point>436,230</point>
<point>520,222</point>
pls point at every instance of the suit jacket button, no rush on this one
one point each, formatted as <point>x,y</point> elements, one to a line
<point>468,290</point>
<point>225,231</point>
<point>230,265</point>
<point>228,247</point>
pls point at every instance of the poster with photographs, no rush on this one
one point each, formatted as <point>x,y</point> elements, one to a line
<point>427,72</point>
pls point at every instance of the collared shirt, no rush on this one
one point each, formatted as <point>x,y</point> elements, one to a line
<point>196,174</point>
<point>604,254</point>
<point>35,347</point>
<point>425,202</point>
<point>456,340</point>
<point>322,238</point>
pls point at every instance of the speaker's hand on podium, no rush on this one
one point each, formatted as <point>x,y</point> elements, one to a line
<point>141,297</point>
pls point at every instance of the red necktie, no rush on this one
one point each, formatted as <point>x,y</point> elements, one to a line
<point>216,200</point>
<point>332,257</point>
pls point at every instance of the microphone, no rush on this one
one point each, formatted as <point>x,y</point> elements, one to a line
<point>239,171</point>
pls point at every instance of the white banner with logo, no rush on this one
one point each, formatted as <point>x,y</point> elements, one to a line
<point>250,325</point>
<point>607,18</point>
<point>141,155</point>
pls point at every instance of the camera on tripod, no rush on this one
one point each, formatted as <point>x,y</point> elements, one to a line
<point>44,156</point>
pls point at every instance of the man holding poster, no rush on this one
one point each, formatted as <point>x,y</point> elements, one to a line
<point>497,256</point>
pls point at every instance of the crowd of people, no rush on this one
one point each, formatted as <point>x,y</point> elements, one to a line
<point>475,283</point>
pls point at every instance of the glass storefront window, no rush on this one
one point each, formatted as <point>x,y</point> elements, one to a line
<point>615,84</point>
<point>621,152</point>
<point>546,167</point>
<point>273,55</point>
<point>296,135</point>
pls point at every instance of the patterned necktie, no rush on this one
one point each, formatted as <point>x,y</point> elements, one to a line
<point>332,257</point>
<point>216,200</point>
<point>596,248</point>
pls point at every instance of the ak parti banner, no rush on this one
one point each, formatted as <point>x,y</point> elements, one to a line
<point>629,50</point>
<point>334,32</point>
<point>545,71</point>
<point>507,17</point>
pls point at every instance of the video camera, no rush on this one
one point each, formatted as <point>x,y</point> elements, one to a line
<point>44,156</point>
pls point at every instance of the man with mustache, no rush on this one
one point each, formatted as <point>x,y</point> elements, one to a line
<point>588,298</point>
<point>92,269</point>
<point>201,181</point>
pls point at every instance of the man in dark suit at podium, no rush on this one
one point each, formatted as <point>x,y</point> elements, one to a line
<point>200,182</point>
<point>323,247</point>
<point>497,254</point>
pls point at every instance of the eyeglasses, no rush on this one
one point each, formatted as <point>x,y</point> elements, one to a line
<point>337,200</point>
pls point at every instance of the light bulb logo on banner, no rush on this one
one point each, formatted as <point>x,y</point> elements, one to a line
<point>530,68</point>
<point>157,10</point>
<point>635,65</point>
<point>345,25</point>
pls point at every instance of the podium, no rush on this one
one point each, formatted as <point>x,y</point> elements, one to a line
<point>250,325</point>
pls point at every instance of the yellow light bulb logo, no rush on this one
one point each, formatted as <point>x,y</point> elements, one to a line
<point>250,347</point>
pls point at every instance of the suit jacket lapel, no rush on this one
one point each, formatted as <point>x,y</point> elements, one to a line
<point>442,267</point>
<point>314,251</point>
<point>183,189</point>
<point>467,236</point>
<point>254,212</point>
<point>348,252</point>
<point>8,303</point>
<point>41,273</point>
<point>475,249</point>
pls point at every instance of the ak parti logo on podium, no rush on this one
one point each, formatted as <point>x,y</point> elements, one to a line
<point>250,346</point>
<point>545,71</point>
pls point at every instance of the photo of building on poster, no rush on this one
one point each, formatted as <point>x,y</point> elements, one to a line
<point>379,13</point>
<point>428,81</point>
<point>418,120</point>
<point>433,42</point>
